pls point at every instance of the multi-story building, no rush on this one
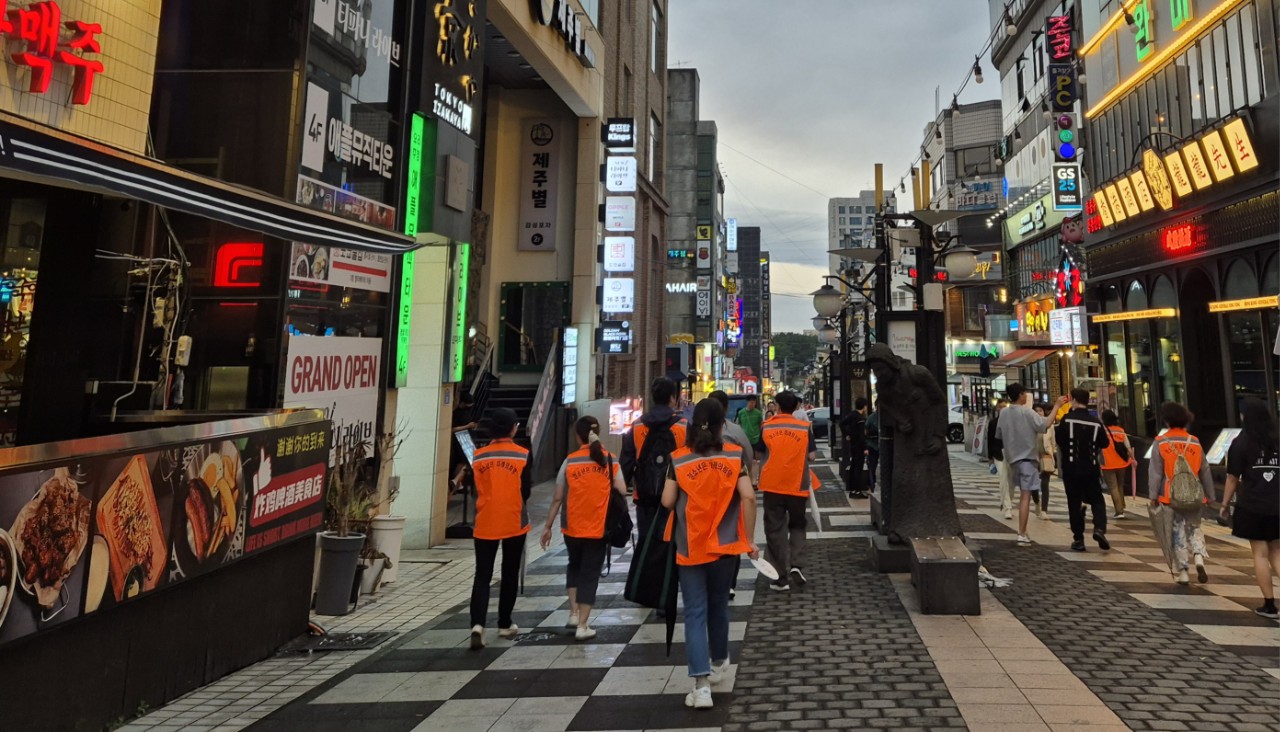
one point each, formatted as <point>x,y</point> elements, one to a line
<point>750,361</point>
<point>697,233</point>
<point>1181,125</point>
<point>850,223</point>
<point>636,93</point>
<point>961,145</point>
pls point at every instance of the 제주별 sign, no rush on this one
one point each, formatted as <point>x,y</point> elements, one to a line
<point>619,295</point>
<point>539,181</point>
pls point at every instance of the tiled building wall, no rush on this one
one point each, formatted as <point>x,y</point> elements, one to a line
<point>117,112</point>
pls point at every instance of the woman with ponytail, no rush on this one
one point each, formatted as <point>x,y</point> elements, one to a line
<point>710,495</point>
<point>582,500</point>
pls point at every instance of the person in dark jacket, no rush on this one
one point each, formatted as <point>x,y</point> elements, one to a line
<point>1081,437</point>
<point>853,427</point>
<point>873,448</point>
<point>660,416</point>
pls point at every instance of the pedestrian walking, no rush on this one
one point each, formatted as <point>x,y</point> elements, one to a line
<point>751,419</point>
<point>853,427</point>
<point>1177,464</point>
<point>646,450</point>
<point>873,447</point>
<point>1117,457</point>
<point>1048,464</point>
<point>995,453</point>
<point>1081,438</point>
<point>503,485</point>
<point>709,492</point>
<point>1020,430</point>
<point>1253,478</point>
<point>734,434</point>
<point>771,411</point>
<point>582,501</point>
<point>789,447</point>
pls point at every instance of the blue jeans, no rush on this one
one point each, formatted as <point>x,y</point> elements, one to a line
<point>705,589</point>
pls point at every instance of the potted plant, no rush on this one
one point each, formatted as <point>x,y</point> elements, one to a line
<point>386,530</point>
<point>349,501</point>
<point>374,565</point>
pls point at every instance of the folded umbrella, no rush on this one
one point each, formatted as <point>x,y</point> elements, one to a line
<point>1162,527</point>
<point>652,580</point>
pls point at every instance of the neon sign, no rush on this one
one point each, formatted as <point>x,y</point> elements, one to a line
<point>1180,239</point>
<point>40,26</point>
<point>233,259</point>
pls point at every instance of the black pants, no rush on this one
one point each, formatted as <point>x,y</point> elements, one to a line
<point>857,476</point>
<point>1044,490</point>
<point>1081,490</point>
<point>586,559</point>
<point>784,530</point>
<point>486,553</point>
<point>873,464</point>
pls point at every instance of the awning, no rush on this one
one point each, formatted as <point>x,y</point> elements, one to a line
<point>1022,357</point>
<point>47,153</point>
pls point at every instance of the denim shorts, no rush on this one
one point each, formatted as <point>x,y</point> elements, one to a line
<point>1026,475</point>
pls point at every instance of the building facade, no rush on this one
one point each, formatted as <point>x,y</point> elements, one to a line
<point>1182,123</point>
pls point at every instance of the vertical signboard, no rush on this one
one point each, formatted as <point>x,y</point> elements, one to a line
<point>1067,195</point>
<point>413,183</point>
<point>619,254</point>
<point>619,295</point>
<point>569,370</point>
<point>403,317</point>
<point>731,236</point>
<point>539,183</point>
<point>456,352</point>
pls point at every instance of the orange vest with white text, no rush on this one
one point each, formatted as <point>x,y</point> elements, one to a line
<point>708,512</point>
<point>786,463</point>
<point>500,509</point>
<point>586,495</point>
<point>1111,459</point>
<point>1171,444</point>
<point>640,430</point>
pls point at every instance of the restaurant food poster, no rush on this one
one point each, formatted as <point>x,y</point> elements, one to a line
<point>339,376</point>
<point>340,267</point>
<point>83,536</point>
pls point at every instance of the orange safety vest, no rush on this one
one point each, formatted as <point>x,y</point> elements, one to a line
<point>1171,444</point>
<point>500,509</point>
<point>786,464</point>
<point>1111,459</point>
<point>640,430</point>
<point>708,513</point>
<point>586,495</point>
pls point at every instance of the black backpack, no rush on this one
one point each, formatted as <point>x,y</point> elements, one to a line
<point>651,464</point>
<point>617,520</point>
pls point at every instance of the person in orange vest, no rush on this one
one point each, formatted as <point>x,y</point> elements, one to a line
<point>582,501</point>
<point>789,446</point>
<point>709,493</point>
<point>1114,464</point>
<point>645,470</point>
<point>503,483</point>
<point>1188,536</point>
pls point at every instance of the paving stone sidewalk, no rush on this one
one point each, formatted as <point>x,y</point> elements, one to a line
<point>838,652</point>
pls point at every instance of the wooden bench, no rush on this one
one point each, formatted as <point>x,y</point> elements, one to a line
<point>945,574</point>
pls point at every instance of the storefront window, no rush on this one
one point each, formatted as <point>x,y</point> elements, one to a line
<point>1169,341</point>
<point>1246,336</point>
<point>22,222</point>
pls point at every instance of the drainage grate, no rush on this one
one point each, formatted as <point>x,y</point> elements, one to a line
<point>336,642</point>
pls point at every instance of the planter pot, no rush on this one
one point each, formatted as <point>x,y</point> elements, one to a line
<point>372,573</point>
<point>339,556</point>
<point>386,534</point>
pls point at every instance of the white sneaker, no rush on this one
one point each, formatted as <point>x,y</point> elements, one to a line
<point>798,576</point>
<point>509,632</point>
<point>1044,516</point>
<point>719,671</point>
<point>1038,511</point>
<point>699,698</point>
<point>1183,578</point>
<point>1008,513</point>
<point>477,637</point>
<point>1118,516</point>
<point>584,633</point>
<point>1201,575</point>
<point>779,586</point>
<point>1024,540</point>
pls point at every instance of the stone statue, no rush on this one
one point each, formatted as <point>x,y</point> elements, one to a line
<point>923,500</point>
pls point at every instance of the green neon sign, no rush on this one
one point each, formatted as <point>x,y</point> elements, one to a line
<point>458,324</point>
<point>413,187</point>
<point>402,322</point>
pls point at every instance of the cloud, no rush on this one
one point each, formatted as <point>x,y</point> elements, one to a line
<point>819,91</point>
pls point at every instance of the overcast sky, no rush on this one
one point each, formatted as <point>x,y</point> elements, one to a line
<point>820,90</point>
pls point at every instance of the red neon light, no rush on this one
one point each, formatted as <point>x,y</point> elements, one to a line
<point>938,276</point>
<point>40,26</point>
<point>1178,239</point>
<point>231,262</point>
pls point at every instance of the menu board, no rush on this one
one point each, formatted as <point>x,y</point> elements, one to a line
<point>83,535</point>
<point>1217,454</point>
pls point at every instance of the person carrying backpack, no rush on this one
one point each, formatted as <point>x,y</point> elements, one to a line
<point>1179,478</point>
<point>646,450</point>
<point>1081,437</point>
<point>1117,456</point>
<point>582,489</point>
